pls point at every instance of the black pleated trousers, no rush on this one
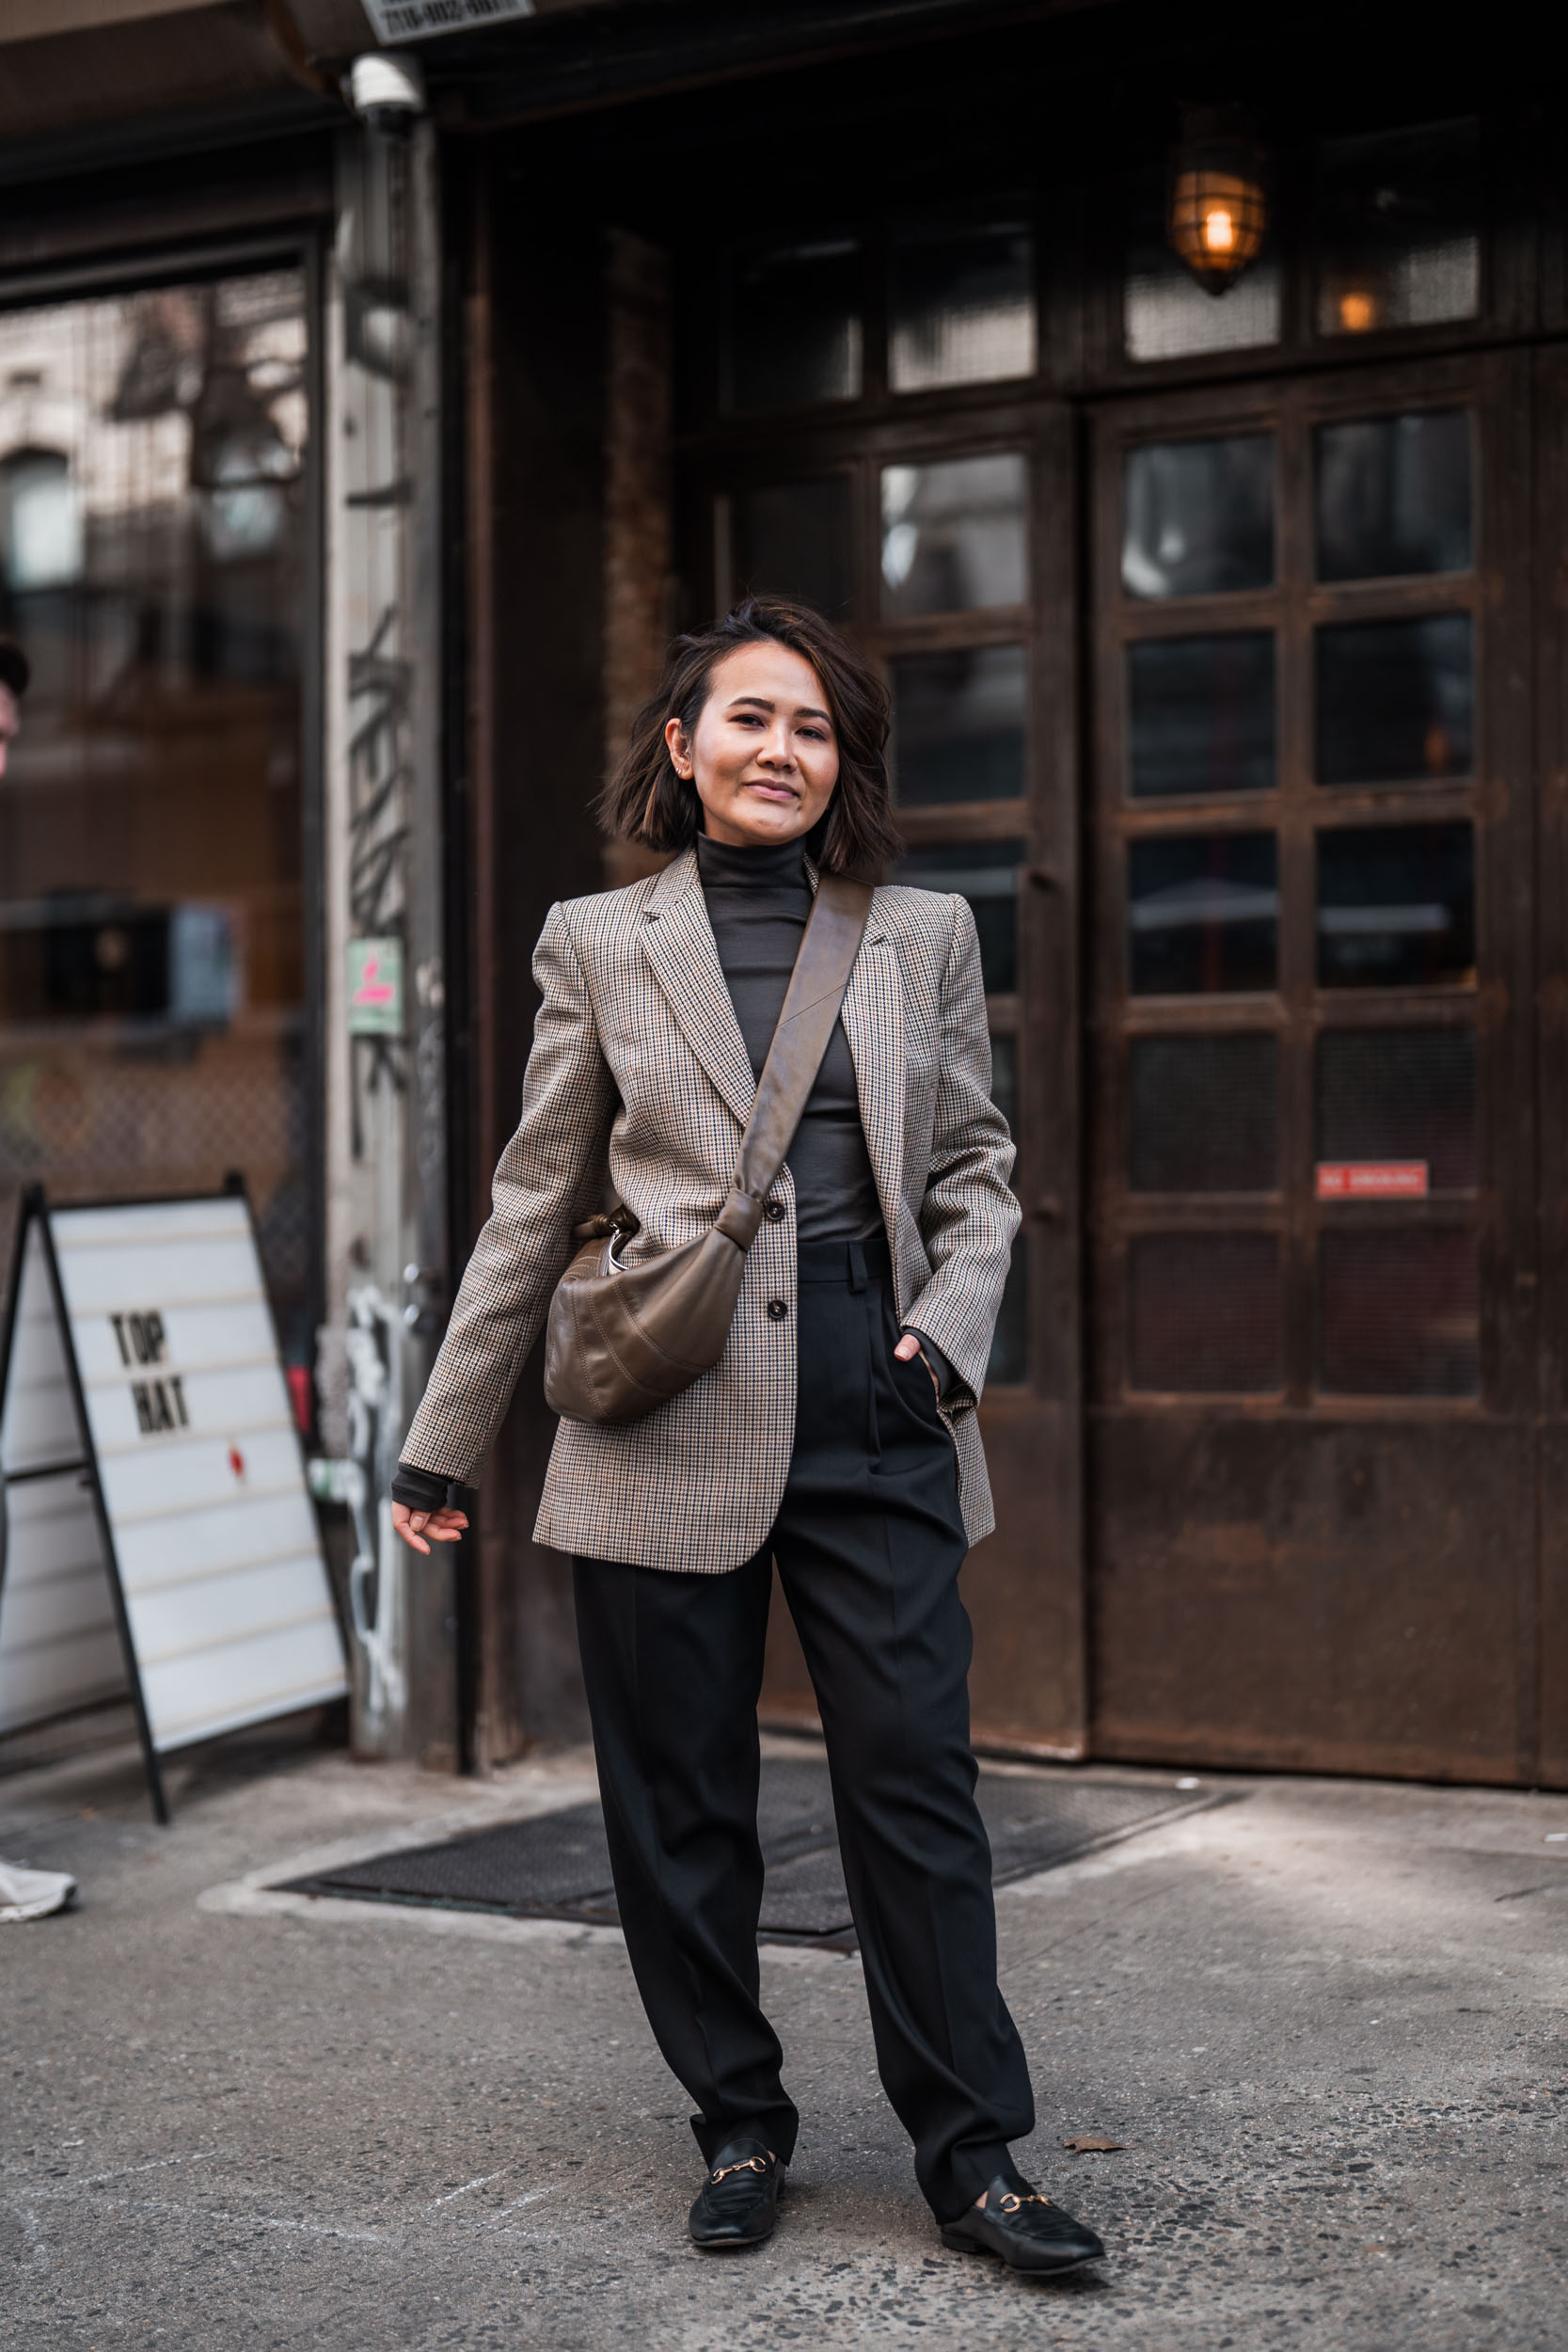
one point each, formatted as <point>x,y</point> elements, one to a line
<point>869,1542</point>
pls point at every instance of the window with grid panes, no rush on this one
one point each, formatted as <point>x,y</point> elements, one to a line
<point>1288,830</point>
<point>891,497</point>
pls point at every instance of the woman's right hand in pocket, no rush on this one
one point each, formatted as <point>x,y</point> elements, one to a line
<point>439,1527</point>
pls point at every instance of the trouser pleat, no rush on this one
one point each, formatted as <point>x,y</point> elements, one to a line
<point>678,1769</point>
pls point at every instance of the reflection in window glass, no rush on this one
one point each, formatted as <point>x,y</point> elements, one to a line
<point>1396,906</point>
<point>98,954</point>
<point>1206,1314</point>
<point>41,519</point>
<point>1009,1348</point>
<point>1010,1344</point>
<point>1200,715</point>
<point>1166,314</point>
<point>1395,700</point>
<point>986,873</point>
<point>1003,1080</point>
<point>962,306</point>
<point>954,535</point>
<point>958,725</point>
<point>1393,495</point>
<point>1203,1114</point>
<point>1397,230</point>
<point>792,539</point>
<point>1199,516</point>
<point>1400,1094</point>
<point>1399,1314</point>
<point>814,354</point>
<point>152,516</point>
<point>1202,913</point>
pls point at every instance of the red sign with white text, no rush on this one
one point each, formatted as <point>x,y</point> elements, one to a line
<point>1372,1180</point>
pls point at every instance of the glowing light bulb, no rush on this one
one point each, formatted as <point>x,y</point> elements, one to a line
<point>1217,214</point>
<point>1355,312</point>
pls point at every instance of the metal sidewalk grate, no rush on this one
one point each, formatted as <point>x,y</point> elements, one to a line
<point>556,1865</point>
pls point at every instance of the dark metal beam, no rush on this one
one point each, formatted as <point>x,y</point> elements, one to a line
<point>623,50</point>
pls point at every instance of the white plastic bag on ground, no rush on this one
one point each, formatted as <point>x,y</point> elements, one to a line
<point>32,1894</point>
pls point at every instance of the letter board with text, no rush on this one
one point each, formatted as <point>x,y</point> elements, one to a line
<point>159,1533</point>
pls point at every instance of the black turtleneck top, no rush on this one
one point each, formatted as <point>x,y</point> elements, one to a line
<point>758,900</point>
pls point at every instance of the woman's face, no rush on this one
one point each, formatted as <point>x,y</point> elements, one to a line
<point>763,755</point>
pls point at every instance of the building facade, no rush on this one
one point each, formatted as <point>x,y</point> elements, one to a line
<point>1221,631</point>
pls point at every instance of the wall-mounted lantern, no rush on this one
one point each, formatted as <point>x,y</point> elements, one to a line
<point>1218,213</point>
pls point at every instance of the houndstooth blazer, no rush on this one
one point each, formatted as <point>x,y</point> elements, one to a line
<point>638,1060</point>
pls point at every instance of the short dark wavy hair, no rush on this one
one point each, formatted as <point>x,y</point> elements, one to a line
<point>648,803</point>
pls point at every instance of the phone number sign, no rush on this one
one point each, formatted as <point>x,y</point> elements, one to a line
<point>1372,1180</point>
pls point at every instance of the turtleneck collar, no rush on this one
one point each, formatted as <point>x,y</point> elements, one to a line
<point>752,865</point>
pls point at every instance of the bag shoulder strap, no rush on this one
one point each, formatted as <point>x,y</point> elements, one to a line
<point>834,929</point>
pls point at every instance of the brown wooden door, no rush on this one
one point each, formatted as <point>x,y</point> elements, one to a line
<point>944,544</point>
<point>1312,1450</point>
<point>1550,508</point>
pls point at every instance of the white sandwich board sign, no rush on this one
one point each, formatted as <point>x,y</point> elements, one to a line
<point>156,1537</point>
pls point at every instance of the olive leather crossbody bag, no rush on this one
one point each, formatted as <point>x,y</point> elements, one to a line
<point>622,1340</point>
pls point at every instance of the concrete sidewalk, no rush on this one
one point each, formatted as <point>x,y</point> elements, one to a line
<point>1327,2019</point>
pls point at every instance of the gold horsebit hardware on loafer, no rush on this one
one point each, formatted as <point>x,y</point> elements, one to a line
<point>746,2164</point>
<point>1011,2203</point>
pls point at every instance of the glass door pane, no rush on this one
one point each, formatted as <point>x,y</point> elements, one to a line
<point>955,535</point>
<point>1398,221</point>
<point>959,725</point>
<point>152,512</point>
<point>1393,495</point>
<point>792,539</point>
<point>816,356</point>
<point>961,305</point>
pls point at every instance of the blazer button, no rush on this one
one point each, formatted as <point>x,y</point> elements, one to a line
<point>777,1308</point>
<point>774,1212</point>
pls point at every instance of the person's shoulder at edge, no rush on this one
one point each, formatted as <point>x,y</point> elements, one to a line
<point>930,912</point>
<point>602,919</point>
<point>913,897</point>
<point>613,905</point>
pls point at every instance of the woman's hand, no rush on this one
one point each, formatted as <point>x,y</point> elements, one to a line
<point>442,1527</point>
<point>908,1349</point>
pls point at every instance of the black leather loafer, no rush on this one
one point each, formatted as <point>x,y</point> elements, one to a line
<point>739,2202</point>
<point>1025,2229</point>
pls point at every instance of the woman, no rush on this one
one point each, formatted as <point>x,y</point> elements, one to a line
<point>836,1433</point>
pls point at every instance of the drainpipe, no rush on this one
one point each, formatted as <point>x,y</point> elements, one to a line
<point>386,1173</point>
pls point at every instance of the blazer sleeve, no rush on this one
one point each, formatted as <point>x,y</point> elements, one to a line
<point>549,1177</point>
<point>969,1216</point>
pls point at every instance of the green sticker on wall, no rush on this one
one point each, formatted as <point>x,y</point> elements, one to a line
<point>376,988</point>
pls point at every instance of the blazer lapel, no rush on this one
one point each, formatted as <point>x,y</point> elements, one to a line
<point>872,1018</point>
<point>677,940</point>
